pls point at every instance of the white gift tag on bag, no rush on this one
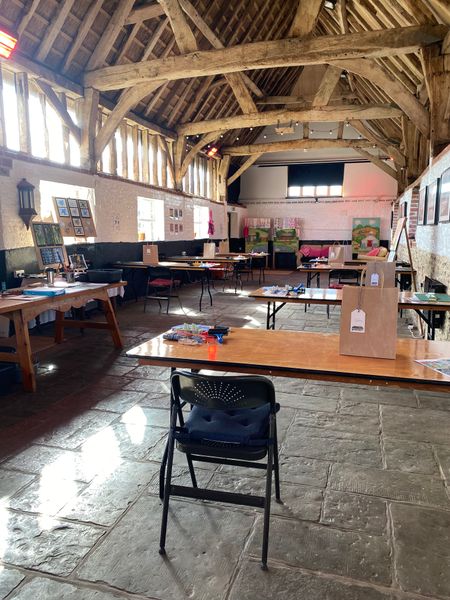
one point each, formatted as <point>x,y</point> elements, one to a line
<point>358,321</point>
<point>374,279</point>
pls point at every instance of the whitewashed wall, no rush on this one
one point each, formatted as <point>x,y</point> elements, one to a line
<point>115,210</point>
<point>367,192</point>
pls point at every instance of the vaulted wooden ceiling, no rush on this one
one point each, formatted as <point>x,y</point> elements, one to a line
<point>78,38</point>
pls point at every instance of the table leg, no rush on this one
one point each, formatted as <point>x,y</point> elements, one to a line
<point>208,287</point>
<point>112,322</point>
<point>268,316</point>
<point>201,293</point>
<point>24,352</point>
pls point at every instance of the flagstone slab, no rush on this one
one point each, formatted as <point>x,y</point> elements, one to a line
<point>422,542</point>
<point>291,584</point>
<point>9,580</point>
<point>330,445</point>
<point>203,547</point>
<point>322,548</point>
<point>355,512</point>
<point>419,425</point>
<point>394,485</point>
<point>107,497</point>
<point>49,589</point>
<point>46,544</point>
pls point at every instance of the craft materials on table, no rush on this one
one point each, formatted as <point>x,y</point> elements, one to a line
<point>192,334</point>
<point>285,291</point>
<point>441,365</point>
<point>431,297</point>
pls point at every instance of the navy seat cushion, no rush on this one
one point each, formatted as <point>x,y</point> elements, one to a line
<point>240,426</point>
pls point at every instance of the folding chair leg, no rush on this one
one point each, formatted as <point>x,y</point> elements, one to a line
<point>191,470</point>
<point>162,539</point>
<point>265,544</point>
<point>276,468</point>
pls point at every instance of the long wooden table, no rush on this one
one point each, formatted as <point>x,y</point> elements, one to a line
<point>20,311</point>
<point>303,355</point>
<point>333,297</point>
<point>314,270</point>
<point>172,266</point>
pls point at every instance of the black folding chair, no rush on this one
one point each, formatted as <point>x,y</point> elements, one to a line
<point>233,422</point>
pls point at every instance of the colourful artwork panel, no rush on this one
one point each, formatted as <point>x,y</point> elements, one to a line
<point>365,234</point>
<point>285,240</point>
<point>257,239</point>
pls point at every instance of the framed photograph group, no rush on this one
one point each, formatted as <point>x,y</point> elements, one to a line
<point>432,202</point>
<point>75,217</point>
<point>49,244</point>
<point>422,206</point>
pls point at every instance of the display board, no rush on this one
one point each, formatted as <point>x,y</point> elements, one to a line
<point>49,245</point>
<point>365,234</point>
<point>75,217</point>
<point>285,240</point>
<point>257,239</point>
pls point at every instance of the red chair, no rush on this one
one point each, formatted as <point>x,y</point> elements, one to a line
<point>162,288</point>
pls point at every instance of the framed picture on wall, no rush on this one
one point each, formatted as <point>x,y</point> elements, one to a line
<point>422,206</point>
<point>432,202</point>
<point>171,228</point>
<point>61,202</point>
<point>444,199</point>
<point>404,209</point>
<point>63,211</point>
<point>73,202</point>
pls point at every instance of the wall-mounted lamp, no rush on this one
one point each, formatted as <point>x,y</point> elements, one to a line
<point>26,201</point>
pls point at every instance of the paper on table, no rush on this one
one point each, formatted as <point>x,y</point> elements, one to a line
<point>441,365</point>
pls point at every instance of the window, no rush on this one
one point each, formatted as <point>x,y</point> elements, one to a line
<point>150,219</point>
<point>11,111</point>
<point>37,126</point>
<point>55,134</point>
<point>315,180</point>
<point>201,218</point>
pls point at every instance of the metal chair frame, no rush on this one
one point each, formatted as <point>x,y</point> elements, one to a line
<point>183,392</point>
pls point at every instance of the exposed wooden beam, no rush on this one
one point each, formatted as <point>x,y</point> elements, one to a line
<point>184,37</point>
<point>190,155</point>
<point>89,110</point>
<point>380,76</point>
<point>144,13</point>
<point>27,17</point>
<point>126,102</point>
<point>61,82</point>
<point>326,114</point>
<point>440,9</point>
<point>53,29</point>
<point>112,30</point>
<point>379,163</point>
<point>168,152</point>
<point>305,18</point>
<point>222,176</point>
<point>83,30</point>
<point>300,100</point>
<point>365,130</point>
<point>265,55</point>
<point>155,38</point>
<point>248,163</point>
<point>304,144</point>
<point>60,108</point>
<point>237,81</point>
<point>327,86</point>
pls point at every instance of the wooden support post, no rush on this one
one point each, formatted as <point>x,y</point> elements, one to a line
<point>154,159</point>
<point>145,164</point>
<point>436,68</point>
<point>66,132</point>
<point>222,178</point>
<point>22,93</point>
<point>113,152</point>
<point>134,138</point>
<point>89,112</point>
<point>124,140</point>
<point>179,153</point>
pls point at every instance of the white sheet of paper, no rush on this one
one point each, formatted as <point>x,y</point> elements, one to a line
<point>374,279</point>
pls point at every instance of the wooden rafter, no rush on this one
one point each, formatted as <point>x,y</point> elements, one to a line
<point>60,108</point>
<point>28,15</point>
<point>284,146</point>
<point>379,163</point>
<point>246,165</point>
<point>327,114</point>
<point>53,29</point>
<point>144,13</point>
<point>265,55</point>
<point>110,34</point>
<point>184,37</point>
<point>327,86</point>
<point>305,18</point>
<point>190,155</point>
<point>86,25</point>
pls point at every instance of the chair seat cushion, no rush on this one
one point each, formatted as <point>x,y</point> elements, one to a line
<point>244,426</point>
<point>160,282</point>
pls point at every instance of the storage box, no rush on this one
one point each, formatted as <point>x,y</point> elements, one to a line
<point>104,275</point>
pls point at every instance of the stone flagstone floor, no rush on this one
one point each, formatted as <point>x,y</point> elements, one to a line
<point>365,473</point>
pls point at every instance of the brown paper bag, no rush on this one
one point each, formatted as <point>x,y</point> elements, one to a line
<point>224,247</point>
<point>336,255</point>
<point>150,254</point>
<point>380,274</point>
<point>369,321</point>
<point>209,250</point>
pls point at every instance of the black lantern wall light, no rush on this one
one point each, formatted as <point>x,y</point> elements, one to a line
<point>26,201</point>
